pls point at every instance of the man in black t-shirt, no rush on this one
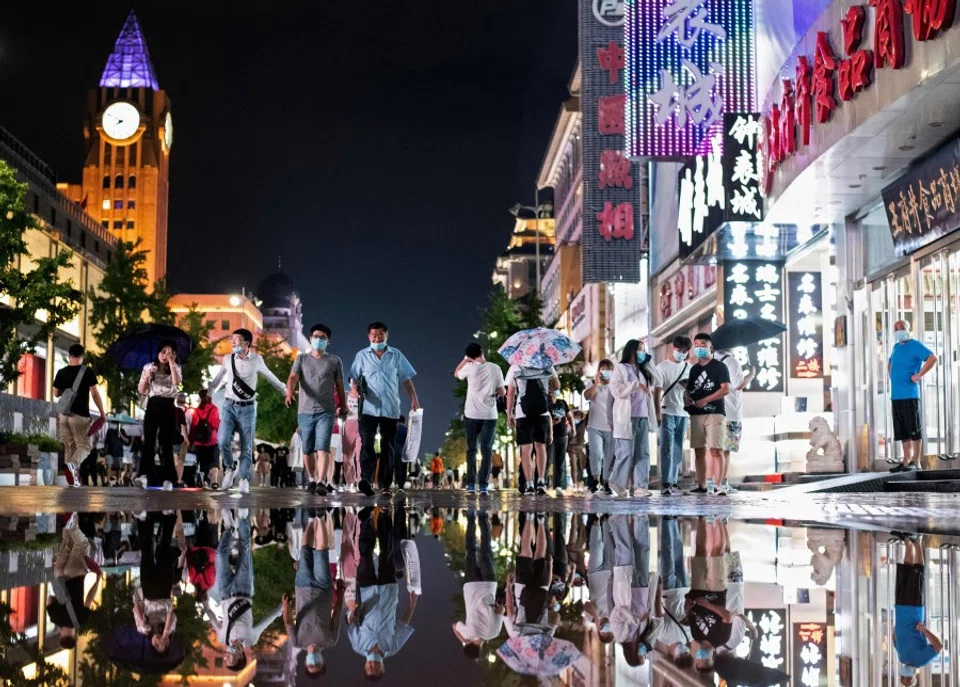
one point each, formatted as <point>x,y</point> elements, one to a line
<point>708,383</point>
<point>75,425</point>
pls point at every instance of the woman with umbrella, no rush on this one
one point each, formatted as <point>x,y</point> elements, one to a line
<point>159,381</point>
<point>630,386</point>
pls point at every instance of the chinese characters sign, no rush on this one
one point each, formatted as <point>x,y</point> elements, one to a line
<point>806,325</point>
<point>754,288</point>
<point>810,654</point>
<point>682,287</point>
<point>613,233</point>
<point>687,63</point>
<point>741,167</point>
<point>770,648</point>
<point>923,205</point>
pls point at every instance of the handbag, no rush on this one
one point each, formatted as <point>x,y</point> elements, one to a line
<point>65,402</point>
<point>240,387</point>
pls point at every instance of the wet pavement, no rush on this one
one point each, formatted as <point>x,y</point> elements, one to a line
<point>272,587</point>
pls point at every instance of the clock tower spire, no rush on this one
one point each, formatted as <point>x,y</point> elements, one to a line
<point>128,134</point>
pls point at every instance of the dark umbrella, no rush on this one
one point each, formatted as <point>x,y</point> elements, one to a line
<point>140,344</point>
<point>131,650</point>
<point>745,332</point>
<point>744,673</point>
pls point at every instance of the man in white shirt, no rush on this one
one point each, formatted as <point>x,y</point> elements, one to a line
<point>733,404</point>
<point>671,384</point>
<point>484,615</point>
<point>484,384</point>
<point>239,413</point>
<point>534,432</point>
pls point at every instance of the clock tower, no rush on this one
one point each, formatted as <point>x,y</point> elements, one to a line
<point>128,134</point>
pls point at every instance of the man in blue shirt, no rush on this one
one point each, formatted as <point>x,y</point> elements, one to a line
<point>909,362</point>
<point>916,645</point>
<point>378,372</point>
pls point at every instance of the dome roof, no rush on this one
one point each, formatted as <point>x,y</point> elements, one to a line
<point>276,291</point>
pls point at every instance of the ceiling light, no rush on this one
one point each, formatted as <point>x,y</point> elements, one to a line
<point>879,168</point>
<point>936,125</point>
<point>906,148</point>
<point>834,202</point>
<point>854,185</point>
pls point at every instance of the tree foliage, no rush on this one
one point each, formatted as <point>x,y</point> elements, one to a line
<point>120,301</point>
<point>28,292</point>
<point>275,422</point>
<point>17,651</point>
<point>195,369</point>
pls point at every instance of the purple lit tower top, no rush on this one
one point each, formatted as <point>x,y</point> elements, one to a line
<point>129,64</point>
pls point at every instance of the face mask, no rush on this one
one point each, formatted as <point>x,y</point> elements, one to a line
<point>642,650</point>
<point>641,357</point>
<point>901,335</point>
<point>237,350</point>
<point>907,671</point>
<point>576,421</point>
<point>379,346</point>
<point>702,655</point>
<point>605,628</point>
<point>315,659</point>
<point>681,651</point>
<point>701,352</point>
<point>679,356</point>
<point>375,657</point>
<point>319,344</point>
<point>556,608</point>
<point>605,375</point>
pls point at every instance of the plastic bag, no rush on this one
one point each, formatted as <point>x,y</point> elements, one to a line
<point>411,450</point>
<point>336,447</point>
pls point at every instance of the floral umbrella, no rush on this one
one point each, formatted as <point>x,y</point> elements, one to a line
<point>539,348</point>
<point>538,654</point>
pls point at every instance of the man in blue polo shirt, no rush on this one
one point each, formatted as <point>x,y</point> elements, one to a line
<point>909,362</point>
<point>378,372</point>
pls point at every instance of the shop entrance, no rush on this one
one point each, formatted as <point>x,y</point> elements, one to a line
<point>891,300</point>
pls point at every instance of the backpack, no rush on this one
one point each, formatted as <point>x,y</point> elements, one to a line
<point>202,432</point>
<point>534,401</point>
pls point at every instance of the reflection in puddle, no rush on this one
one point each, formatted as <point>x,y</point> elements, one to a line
<point>407,595</point>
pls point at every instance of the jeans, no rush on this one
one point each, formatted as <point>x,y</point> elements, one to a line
<point>601,452</point>
<point>632,456</point>
<point>368,455</point>
<point>482,430</point>
<point>672,432</point>
<point>558,450</point>
<point>479,569</point>
<point>672,571</point>
<point>239,581</point>
<point>243,419</point>
<point>315,431</point>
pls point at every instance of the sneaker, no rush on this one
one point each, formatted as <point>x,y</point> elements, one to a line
<point>484,491</point>
<point>729,488</point>
<point>226,516</point>
<point>914,467</point>
<point>595,489</point>
<point>228,477</point>
<point>167,486</point>
<point>399,490</point>
<point>529,491</point>
<point>607,490</point>
<point>311,487</point>
<point>640,493</point>
<point>386,493</point>
<point>140,482</point>
<point>72,472</point>
<point>697,491</point>
<point>900,467</point>
<point>559,493</point>
<point>244,513</point>
<point>320,489</point>
<point>541,488</point>
<point>666,491</point>
<point>366,488</point>
<point>471,490</point>
<point>675,490</point>
<point>244,485</point>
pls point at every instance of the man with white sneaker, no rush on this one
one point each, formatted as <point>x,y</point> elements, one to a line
<point>75,385</point>
<point>239,373</point>
<point>733,407</point>
<point>484,384</point>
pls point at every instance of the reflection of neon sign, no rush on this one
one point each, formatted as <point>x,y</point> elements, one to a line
<point>809,654</point>
<point>772,633</point>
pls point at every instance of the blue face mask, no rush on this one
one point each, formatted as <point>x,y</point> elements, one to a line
<point>315,659</point>
<point>681,651</point>
<point>642,650</point>
<point>679,356</point>
<point>907,671</point>
<point>605,628</point>
<point>701,352</point>
<point>901,335</point>
<point>641,357</point>
<point>237,350</point>
<point>605,375</point>
<point>556,608</point>
<point>375,657</point>
<point>319,344</point>
<point>702,655</point>
<point>379,346</point>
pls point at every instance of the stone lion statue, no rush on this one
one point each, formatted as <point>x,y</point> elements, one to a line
<point>825,454</point>
<point>827,548</point>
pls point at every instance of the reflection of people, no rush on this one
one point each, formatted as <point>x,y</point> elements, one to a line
<point>916,645</point>
<point>317,626</point>
<point>68,609</point>
<point>153,600</point>
<point>375,630</point>
<point>200,557</point>
<point>909,362</point>
<point>636,619</point>
<point>673,641</point>
<point>600,579</point>
<point>484,614</point>
<point>528,588</point>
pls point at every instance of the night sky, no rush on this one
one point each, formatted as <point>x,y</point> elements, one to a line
<point>376,147</point>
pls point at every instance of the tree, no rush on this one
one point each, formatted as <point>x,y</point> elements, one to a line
<point>28,292</point>
<point>195,367</point>
<point>17,651</point>
<point>275,422</point>
<point>120,301</point>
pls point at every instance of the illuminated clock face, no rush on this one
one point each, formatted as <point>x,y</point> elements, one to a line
<point>168,131</point>
<point>121,121</point>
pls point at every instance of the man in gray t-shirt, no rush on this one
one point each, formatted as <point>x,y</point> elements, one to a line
<point>320,376</point>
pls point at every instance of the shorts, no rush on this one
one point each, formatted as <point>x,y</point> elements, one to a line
<point>731,438</point>
<point>708,574</point>
<point>909,589</point>
<point>533,430</point>
<point>495,471</point>
<point>906,420</point>
<point>207,457</point>
<point>315,430</point>
<point>534,572</point>
<point>313,569</point>
<point>707,431</point>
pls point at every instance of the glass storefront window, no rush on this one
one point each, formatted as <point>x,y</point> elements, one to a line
<point>878,251</point>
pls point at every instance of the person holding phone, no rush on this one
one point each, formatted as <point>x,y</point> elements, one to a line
<point>159,382</point>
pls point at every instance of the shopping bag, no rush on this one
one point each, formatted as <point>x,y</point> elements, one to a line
<point>411,450</point>
<point>411,564</point>
<point>336,447</point>
<point>295,458</point>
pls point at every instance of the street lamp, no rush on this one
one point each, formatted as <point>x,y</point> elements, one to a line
<point>536,209</point>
